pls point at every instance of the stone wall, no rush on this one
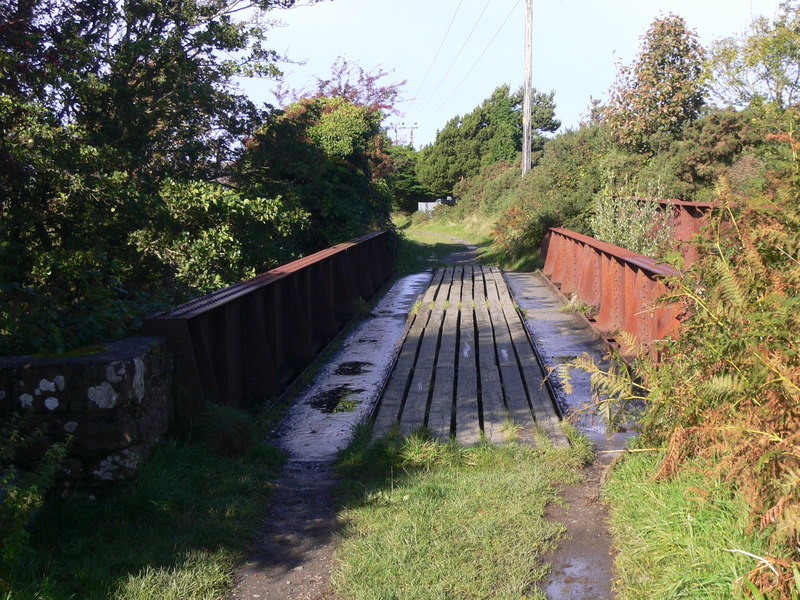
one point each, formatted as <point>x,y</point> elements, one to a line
<point>116,404</point>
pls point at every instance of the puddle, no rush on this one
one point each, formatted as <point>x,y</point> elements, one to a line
<point>344,391</point>
<point>353,367</point>
<point>336,400</point>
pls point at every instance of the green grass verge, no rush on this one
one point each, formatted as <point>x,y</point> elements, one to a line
<point>674,537</point>
<point>177,533</point>
<point>430,520</point>
<point>424,248</point>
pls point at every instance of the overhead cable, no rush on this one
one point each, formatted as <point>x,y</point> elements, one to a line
<point>494,37</point>
<point>428,72</point>
<point>441,81</point>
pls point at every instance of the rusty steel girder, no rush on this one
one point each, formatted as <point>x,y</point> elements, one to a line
<point>622,286</point>
<point>246,342</point>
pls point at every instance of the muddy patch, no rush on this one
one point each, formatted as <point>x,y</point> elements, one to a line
<point>352,367</point>
<point>336,400</point>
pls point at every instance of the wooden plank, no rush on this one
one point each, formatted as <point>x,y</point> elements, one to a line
<point>416,401</point>
<point>441,411</point>
<point>491,393</point>
<point>433,287</point>
<point>443,292</point>
<point>467,287</point>
<point>491,285</point>
<point>468,426</point>
<point>388,411</point>
<point>541,403</point>
<point>455,292</point>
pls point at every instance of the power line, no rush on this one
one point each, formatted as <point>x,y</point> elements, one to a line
<point>441,81</point>
<point>494,37</point>
<point>428,72</point>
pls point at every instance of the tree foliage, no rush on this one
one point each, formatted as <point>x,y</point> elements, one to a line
<point>762,66</point>
<point>123,128</point>
<point>663,90</point>
<point>490,133</point>
<point>325,157</point>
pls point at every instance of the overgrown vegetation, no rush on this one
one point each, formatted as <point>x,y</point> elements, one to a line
<point>686,537</point>
<point>177,532</point>
<point>137,174</point>
<point>433,520</point>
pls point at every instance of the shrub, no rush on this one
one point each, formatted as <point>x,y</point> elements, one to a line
<point>631,223</point>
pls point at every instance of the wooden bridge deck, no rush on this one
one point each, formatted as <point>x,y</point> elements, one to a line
<point>467,366</point>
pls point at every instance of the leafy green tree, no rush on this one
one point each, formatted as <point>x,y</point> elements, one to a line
<point>101,103</point>
<point>403,182</point>
<point>663,90</point>
<point>761,66</point>
<point>324,156</point>
<point>491,132</point>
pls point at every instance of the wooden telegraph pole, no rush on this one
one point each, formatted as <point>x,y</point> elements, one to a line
<point>526,101</point>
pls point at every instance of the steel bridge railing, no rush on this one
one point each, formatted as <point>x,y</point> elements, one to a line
<point>621,286</point>
<point>247,341</point>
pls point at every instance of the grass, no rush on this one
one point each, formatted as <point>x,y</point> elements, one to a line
<point>674,537</point>
<point>177,533</point>
<point>426,519</point>
<point>423,246</point>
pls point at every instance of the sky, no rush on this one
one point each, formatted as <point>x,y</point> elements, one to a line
<point>453,53</point>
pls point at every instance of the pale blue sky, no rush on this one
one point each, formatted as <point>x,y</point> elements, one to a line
<point>576,46</point>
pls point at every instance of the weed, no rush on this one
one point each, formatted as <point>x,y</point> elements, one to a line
<point>176,533</point>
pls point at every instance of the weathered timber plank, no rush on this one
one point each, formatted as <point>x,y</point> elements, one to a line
<point>441,411</point>
<point>393,394</point>
<point>468,286</point>
<point>516,397</point>
<point>416,401</point>
<point>433,287</point>
<point>443,293</point>
<point>468,426</point>
<point>491,284</point>
<point>542,405</point>
<point>491,393</point>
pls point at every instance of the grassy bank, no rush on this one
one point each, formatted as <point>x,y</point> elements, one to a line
<point>177,533</point>
<point>682,538</point>
<point>431,520</point>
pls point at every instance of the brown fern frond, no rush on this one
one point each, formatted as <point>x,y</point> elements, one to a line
<point>676,452</point>
<point>773,514</point>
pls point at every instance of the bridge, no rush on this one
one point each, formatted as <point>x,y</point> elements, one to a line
<point>467,366</point>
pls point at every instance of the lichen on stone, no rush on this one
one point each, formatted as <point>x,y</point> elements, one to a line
<point>103,395</point>
<point>138,379</point>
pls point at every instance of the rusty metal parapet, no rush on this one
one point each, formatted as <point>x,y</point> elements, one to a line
<point>248,340</point>
<point>620,285</point>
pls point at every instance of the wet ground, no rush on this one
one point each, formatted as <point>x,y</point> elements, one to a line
<point>292,558</point>
<point>582,565</point>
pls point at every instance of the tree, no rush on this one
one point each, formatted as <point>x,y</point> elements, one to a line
<point>102,103</point>
<point>663,90</point>
<point>352,83</point>
<point>324,156</point>
<point>403,181</point>
<point>761,66</point>
<point>491,132</point>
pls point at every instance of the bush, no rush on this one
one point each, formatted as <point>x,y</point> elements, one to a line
<point>631,223</point>
<point>22,492</point>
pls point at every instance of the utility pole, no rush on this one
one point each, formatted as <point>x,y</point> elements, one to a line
<point>526,100</point>
<point>402,126</point>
